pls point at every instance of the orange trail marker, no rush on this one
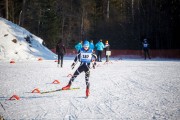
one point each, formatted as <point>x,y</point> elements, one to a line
<point>36,91</point>
<point>56,82</point>
<point>40,59</point>
<point>14,97</point>
<point>69,75</point>
<point>12,61</point>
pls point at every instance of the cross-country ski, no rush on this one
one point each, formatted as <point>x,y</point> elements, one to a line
<point>51,91</point>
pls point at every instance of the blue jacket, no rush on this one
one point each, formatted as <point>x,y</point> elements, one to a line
<point>91,45</point>
<point>99,46</point>
<point>78,46</point>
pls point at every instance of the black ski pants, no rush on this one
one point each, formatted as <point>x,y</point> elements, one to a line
<point>146,52</point>
<point>83,67</point>
<point>60,57</point>
<point>99,55</point>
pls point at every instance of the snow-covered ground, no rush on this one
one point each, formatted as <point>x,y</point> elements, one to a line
<point>124,90</point>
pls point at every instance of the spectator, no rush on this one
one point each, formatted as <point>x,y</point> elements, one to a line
<point>60,51</point>
<point>99,46</point>
<point>78,46</point>
<point>146,48</point>
<point>107,47</point>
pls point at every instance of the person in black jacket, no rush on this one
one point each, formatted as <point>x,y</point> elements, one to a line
<point>107,47</point>
<point>146,48</point>
<point>60,51</point>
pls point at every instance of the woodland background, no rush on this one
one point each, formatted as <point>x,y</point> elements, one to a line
<point>124,23</point>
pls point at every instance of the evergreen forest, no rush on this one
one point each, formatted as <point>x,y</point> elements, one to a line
<point>124,23</point>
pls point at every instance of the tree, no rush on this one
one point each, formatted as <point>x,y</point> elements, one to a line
<point>123,22</point>
<point>7,9</point>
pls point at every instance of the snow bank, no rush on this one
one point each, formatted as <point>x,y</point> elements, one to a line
<point>19,44</point>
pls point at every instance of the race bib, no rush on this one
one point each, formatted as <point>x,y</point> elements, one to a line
<point>108,53</point>
<point>86,57</point>
<point>145,45</point>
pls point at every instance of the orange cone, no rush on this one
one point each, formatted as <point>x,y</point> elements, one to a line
<point>56,82</point>
<point>12,61</point>
<point>14,97</point>
<point>56,61</point>
<point>40,59</point>
<point>70,75</point>
<point>36,90</point>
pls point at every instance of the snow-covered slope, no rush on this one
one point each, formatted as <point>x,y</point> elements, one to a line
<point>19,44</point>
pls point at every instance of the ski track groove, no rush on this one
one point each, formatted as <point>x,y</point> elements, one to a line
<point>108,102</point>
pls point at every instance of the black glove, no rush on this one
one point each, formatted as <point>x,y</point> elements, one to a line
<point>73,65</point>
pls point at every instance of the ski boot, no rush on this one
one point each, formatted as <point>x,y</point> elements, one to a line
<point>87,92</point>
<point>66,87</point>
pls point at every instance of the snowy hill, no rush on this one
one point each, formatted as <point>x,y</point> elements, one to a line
<point>19,44</point>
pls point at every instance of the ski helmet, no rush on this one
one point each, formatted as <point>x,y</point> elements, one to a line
<point>86,43</point>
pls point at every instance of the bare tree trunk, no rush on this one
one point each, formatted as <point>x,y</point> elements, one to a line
<point>62,31</point>
<point>13,9</point>
<point>20,17</point>
<point>7,12</point>
<point>23,13</point>
<point>132,10</point>
<point>82,28</point>
<point>70,24</point>
<point>82,24</point>
<point>108,9</point>
<point>39,21</point>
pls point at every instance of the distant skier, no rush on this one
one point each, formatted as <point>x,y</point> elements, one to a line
<point>78,46</point>
<point>146,48</point>
<point>99,46</point>
<point>85,56</point>
<point>60,51</point>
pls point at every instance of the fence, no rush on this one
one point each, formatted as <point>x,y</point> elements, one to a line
<point>138,53</point>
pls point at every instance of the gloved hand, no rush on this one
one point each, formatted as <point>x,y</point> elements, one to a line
<point>73,65</point>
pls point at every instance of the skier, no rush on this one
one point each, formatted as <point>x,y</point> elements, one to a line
<point>146,48</point>
<point>78,46</point>
<point>99,46</point>
<point>60,51</point>
<point>85,56</point>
